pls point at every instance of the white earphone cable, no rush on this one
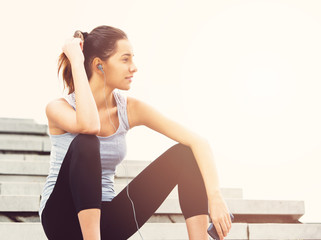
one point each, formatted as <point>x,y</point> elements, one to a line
<point>127,187</point>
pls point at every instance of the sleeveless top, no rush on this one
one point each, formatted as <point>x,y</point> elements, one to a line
<point>113,150</point>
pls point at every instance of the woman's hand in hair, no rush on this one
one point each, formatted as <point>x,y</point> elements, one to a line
<point>73,50</point>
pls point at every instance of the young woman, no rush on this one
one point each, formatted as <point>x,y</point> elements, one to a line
<point>87,131</point>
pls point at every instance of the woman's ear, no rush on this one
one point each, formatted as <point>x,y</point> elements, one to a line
<point>97,64</point>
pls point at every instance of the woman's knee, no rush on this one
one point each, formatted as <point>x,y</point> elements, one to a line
<point>86,144</point>
<point>83,137</point>
<point>84,140</point>
<point>182,153</point>
<point>183,149</point>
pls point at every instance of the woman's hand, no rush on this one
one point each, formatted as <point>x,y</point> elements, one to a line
<point>73,49</point>
<point>220,216</point>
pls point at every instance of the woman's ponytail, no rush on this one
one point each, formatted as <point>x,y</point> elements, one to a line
<point>64,63</point>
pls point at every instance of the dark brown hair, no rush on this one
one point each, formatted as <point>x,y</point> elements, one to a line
<point>100,42</point>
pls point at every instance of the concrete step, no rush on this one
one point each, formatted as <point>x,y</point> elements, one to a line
<point>24,156</point>
<point>271,231</point>
<point>41,168</point>
<point>29,188</point>
<point>26,126</point>
<point>6,120</point>
<point>178,231</point>
<point>22,142</point>
<point>25,169</point>
<point>22,178</point>
<point>149,231</point>
<point>12,170</point>
<point>244,210</point>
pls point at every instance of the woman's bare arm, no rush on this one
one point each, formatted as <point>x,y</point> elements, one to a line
<point>87,112</point>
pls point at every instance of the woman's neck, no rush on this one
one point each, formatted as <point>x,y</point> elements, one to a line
<point>99,92</point>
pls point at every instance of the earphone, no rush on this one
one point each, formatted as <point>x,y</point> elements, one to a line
<point>100,67</point>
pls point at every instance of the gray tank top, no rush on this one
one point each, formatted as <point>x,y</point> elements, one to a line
<point>111,154</point>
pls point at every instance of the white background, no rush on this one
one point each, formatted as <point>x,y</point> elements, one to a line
<point>244,74</point>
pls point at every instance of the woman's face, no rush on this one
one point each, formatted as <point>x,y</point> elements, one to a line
<point>120,68</point>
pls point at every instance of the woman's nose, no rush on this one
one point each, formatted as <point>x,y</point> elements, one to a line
<point>133,68</point>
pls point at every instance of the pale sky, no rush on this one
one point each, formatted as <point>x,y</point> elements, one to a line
<point>244,74</point>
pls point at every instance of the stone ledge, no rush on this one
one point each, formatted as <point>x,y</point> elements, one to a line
<point>30,167</point>
<point>256,209</point>
<point>271,231</point>
<point>149,231</point>
<point>20,142</point>
<point>35,188</point>
<point>178,231</point>
<point>24,156</point>
<point>27,126</point>
<point>34,217</point>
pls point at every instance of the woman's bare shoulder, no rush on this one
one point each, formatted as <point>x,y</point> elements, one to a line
<point>131,111</point>
<point>52,107</point>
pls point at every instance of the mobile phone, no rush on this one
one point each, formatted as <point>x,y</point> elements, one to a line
<point>212,231</point>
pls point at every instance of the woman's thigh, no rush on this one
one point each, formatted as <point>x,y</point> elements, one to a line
<point>148,190</point>
<point>78,187</point>
<point>59,217</point>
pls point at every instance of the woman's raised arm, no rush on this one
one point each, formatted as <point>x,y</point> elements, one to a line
<point>87,112</point>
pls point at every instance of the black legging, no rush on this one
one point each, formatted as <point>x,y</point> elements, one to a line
<point>78,187</point>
